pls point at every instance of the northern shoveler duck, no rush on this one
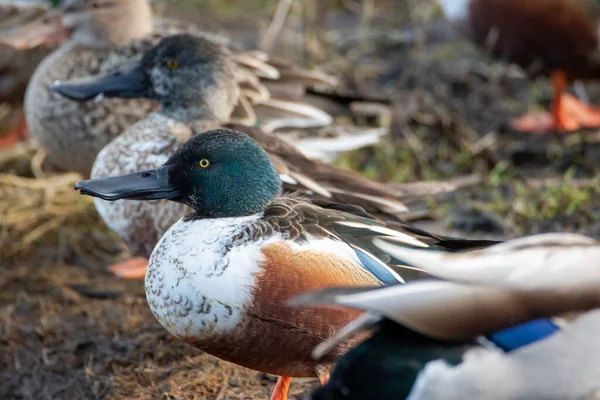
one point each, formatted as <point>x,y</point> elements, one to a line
<point>16,67</point>
<point>553,37</point>
<point>219,278</point>
<point>107,33</point>
<point>197,84</point>
<point>424,344</point>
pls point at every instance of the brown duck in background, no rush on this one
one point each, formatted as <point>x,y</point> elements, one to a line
<point>72,134</point>
<point>16,66</point>
<point>558,38</point>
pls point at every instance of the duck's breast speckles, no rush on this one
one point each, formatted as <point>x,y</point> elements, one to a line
<point>228,297</point>
<point>145,145</point>
<point>197,284</point>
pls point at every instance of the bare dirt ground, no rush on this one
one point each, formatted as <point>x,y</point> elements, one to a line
<point>70,330</point>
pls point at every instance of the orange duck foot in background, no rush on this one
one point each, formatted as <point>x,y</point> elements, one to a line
<point>324,379</point>
<point>281,389</point>
<point>568,113</point>
<point>134,268</point>
<point>17,133</point>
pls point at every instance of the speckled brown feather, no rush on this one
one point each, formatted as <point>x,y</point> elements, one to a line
<point>298,218</point>
<point>73,133</point>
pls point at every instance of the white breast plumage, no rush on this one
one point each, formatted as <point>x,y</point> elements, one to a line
<point>202,274</point>
<point>197,283</point>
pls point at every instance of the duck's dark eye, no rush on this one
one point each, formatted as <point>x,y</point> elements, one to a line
<point>171,64</point>
<point>96,4</point>
<point>204,163</point>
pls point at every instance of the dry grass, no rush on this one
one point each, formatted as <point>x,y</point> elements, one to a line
<point>39,209</point>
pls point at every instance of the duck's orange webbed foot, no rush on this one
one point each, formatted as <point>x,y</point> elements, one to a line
<point>541,122</point>
<point>572,115</point>
<point>17,133</point>
<point>586,115</point>
<point>134,268</point>
<point>568,113</point>
<point>281,389</point>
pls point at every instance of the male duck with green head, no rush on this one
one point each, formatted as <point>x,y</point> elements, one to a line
<point>199,85</point>
<point>220,277</point>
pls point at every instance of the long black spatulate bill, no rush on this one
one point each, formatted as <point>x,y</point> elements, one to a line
<point>129,83</point>
<point>152,184</point>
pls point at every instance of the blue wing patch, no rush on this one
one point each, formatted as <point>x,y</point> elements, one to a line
<point>521,335</point>
<point>377,268</point>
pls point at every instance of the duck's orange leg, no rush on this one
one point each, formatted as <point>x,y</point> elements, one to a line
<point>134,268</point>
<point>17,132</point>
<point>281,389</point>
<point>567,113</point>
<point>324,379</point>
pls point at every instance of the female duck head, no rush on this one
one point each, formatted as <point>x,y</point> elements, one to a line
<point>220,173</point>
<point>191,77</point>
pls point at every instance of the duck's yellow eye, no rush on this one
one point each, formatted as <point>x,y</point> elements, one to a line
<point>204,163</point>
<point>172,64</point>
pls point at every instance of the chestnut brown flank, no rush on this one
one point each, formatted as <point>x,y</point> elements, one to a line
<point>278,339</point>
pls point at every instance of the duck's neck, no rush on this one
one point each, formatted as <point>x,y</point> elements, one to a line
<point>192,115</point>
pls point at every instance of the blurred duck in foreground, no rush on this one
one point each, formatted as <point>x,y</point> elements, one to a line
<point>197,84</point>
<point>551,37</point>
<point>16,66</point>
<point>424,341</point>
<point>103,34</point>
<point>220,277</point>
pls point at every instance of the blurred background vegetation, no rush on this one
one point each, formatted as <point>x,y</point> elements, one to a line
<point>77,332</point>
<point>452,103</point>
